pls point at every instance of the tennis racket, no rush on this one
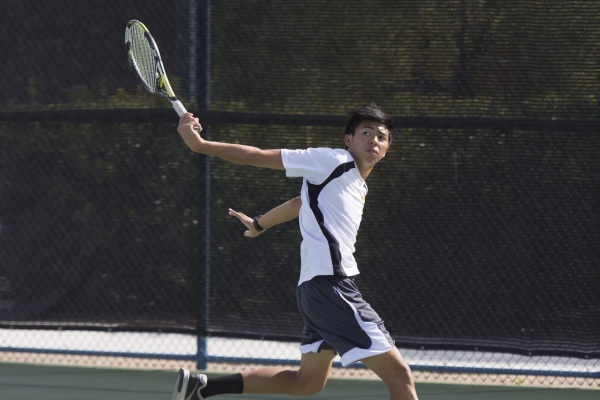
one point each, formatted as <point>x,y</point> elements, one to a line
<point>146,63</point>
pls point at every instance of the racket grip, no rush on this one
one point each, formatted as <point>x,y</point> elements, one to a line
<point>179,108</point>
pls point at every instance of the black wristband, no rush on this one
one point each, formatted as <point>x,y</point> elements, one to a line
<point>258,228</point>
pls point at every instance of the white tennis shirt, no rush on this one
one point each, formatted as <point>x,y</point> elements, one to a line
<point>333,196</point>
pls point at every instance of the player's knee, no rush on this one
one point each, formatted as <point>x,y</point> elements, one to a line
<point>402,376</point>
<point>309,388</point>
<point>312,389</point>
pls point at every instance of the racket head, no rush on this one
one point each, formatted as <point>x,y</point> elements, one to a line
<point>144,58</point>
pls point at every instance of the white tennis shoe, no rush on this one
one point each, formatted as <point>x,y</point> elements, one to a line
<point>188,385</point>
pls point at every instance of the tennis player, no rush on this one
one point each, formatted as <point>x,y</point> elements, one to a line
<point>336,318</point>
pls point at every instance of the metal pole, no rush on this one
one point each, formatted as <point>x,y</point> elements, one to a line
<point>185,48</point>
<point>203,62</point>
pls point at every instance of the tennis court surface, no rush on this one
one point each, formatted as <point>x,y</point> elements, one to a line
<point>29,381</point>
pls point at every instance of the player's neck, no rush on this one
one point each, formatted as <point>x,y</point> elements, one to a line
<point>363,168</point>
<point>365,171</point>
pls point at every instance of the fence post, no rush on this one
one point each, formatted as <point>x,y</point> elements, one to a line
<point>186,45</point>
<point>203,18</point>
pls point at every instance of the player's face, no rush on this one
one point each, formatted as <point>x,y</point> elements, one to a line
<point>370,142</point>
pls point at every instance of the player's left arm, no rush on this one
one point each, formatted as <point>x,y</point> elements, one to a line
<point>282,213</point>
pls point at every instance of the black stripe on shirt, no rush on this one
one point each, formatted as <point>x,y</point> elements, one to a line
<point>313,195</point>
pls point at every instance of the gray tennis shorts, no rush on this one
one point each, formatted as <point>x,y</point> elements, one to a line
<point>336,317</point>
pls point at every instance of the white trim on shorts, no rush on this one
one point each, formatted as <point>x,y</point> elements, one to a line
<point>311,347</point>
<point>379,342</point>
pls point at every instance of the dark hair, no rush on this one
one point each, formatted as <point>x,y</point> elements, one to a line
<point>370,113</point>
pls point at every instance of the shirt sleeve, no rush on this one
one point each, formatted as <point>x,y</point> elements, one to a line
<point>314,164</point>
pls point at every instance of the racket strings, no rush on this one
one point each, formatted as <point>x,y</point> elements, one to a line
<point>143,56</point>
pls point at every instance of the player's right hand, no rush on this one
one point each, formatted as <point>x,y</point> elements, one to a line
<point>189,128</point>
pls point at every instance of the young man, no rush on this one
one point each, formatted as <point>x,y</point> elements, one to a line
<point>336,318</point>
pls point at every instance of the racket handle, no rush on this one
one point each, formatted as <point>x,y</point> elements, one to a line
<point>179,108</point>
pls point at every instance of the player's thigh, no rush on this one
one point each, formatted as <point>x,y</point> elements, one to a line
<point>315,368</point>
<point>390,367</point>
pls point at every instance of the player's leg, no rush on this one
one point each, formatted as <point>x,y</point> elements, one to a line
<point>308,380</point>
<point>395,373</point>
<point>346,321</point>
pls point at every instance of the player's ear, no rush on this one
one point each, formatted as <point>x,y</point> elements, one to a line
<point>347,139</point>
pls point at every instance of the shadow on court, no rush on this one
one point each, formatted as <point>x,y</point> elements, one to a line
<point>27,381</point>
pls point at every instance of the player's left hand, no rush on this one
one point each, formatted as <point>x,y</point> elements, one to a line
<point>248,223</point>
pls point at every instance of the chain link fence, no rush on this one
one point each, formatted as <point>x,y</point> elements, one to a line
<point>115,243</point>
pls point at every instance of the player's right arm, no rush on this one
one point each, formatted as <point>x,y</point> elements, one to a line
<point>235,153</point>
<point>282,213</point>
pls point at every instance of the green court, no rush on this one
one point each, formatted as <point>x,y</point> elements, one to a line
<point>28,381</point>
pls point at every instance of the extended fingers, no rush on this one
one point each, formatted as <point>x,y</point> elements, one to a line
<point>247,221</point>
<point>236,214</point>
